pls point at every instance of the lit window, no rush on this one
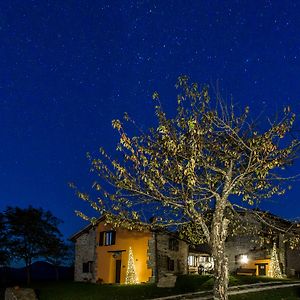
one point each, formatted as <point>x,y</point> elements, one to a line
<point>202,259</point>
<point>107,238</point>
<point>192,261</point>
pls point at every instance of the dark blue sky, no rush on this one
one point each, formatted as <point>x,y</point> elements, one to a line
<point>67,68</point>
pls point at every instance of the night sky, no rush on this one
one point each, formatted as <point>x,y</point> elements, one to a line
<point>69,67</point>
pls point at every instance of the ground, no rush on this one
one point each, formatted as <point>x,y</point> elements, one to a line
<point>78,291</point>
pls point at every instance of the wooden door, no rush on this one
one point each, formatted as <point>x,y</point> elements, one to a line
<point>118,270</point>
<point>262,270</point>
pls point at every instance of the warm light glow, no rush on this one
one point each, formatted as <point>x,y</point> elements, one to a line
<point>274,268</point>
<point>244,259</point>
<point>191,260</point>
<point>131,277</point>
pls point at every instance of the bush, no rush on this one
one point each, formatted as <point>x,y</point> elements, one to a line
<point>192,283</point>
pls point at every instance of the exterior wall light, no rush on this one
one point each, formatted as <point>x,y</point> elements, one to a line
<point>244,259</point>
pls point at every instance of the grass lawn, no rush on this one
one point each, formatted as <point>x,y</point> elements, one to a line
<point>188,283</point>
<point>89,291</point>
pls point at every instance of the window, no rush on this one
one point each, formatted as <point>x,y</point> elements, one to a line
<point>170,264</point>
<point>192,261</point>
<point>203,259</point>
<point>107,238</point>
<point>173,244</point>
<point>87,267</point>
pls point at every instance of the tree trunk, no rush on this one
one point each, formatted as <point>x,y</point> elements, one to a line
<point>56,273</point>
<point>220,273</point>
<point>219,234</point>
<point>28,274</point>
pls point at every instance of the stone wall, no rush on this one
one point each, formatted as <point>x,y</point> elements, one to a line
<point>85,251</point>
<point>236,246</point>
<point>151,263</point>
<point>246,245</point>
<point>292,261</point>
<point>163,253</point>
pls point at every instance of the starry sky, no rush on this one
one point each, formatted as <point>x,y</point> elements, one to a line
<point>67,68</point>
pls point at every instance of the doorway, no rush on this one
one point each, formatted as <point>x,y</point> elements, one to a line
<point>262,269</point>
<point>118,271</point>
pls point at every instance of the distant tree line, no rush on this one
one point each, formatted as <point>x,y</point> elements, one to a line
<point>28,234</point>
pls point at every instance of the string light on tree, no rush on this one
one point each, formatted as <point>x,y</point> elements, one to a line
<point>131,277</point>
<point>274,269</point>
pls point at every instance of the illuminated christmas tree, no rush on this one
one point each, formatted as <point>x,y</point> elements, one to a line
<point>274,268</point>
<point>131,277</point>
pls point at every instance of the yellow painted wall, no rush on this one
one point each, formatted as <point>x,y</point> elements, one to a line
<point>252,265</point>
<point>263,261</point>
<point>106,264</point>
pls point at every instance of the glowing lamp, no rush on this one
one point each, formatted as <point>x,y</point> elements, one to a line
<point>244,259</point>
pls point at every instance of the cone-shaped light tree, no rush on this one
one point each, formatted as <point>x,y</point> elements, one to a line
<point>131,277</point>
<point>274,268</point>
<point>202,160</point>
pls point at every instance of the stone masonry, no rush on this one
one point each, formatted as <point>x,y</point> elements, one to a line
<point>164,253</point>
<point>236,246</point>
<point>289,259</point>
<point>292,261</point>
<point>151,263</point>
<point>85,251</point>
<point>159,253</point>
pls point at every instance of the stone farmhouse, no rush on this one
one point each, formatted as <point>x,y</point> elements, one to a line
<point>247,256</point>
<point>102,254</point>
<point>107,255</point>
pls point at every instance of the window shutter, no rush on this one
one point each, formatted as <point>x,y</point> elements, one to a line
<point>90,267</point>
<point>177,246</point>
<point>101,238</point>
<point>113,237</point>
<point>85,268</point>
<point>172,265</point>
<point>168,263</point>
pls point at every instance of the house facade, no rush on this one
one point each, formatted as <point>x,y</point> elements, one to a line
<point>246,256</point>
<point>107,255</point>
<point>102,254</point>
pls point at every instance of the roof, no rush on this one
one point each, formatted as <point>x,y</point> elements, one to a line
<point>175,234</point>
<point>86,229</point>
<point>200,249</point>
